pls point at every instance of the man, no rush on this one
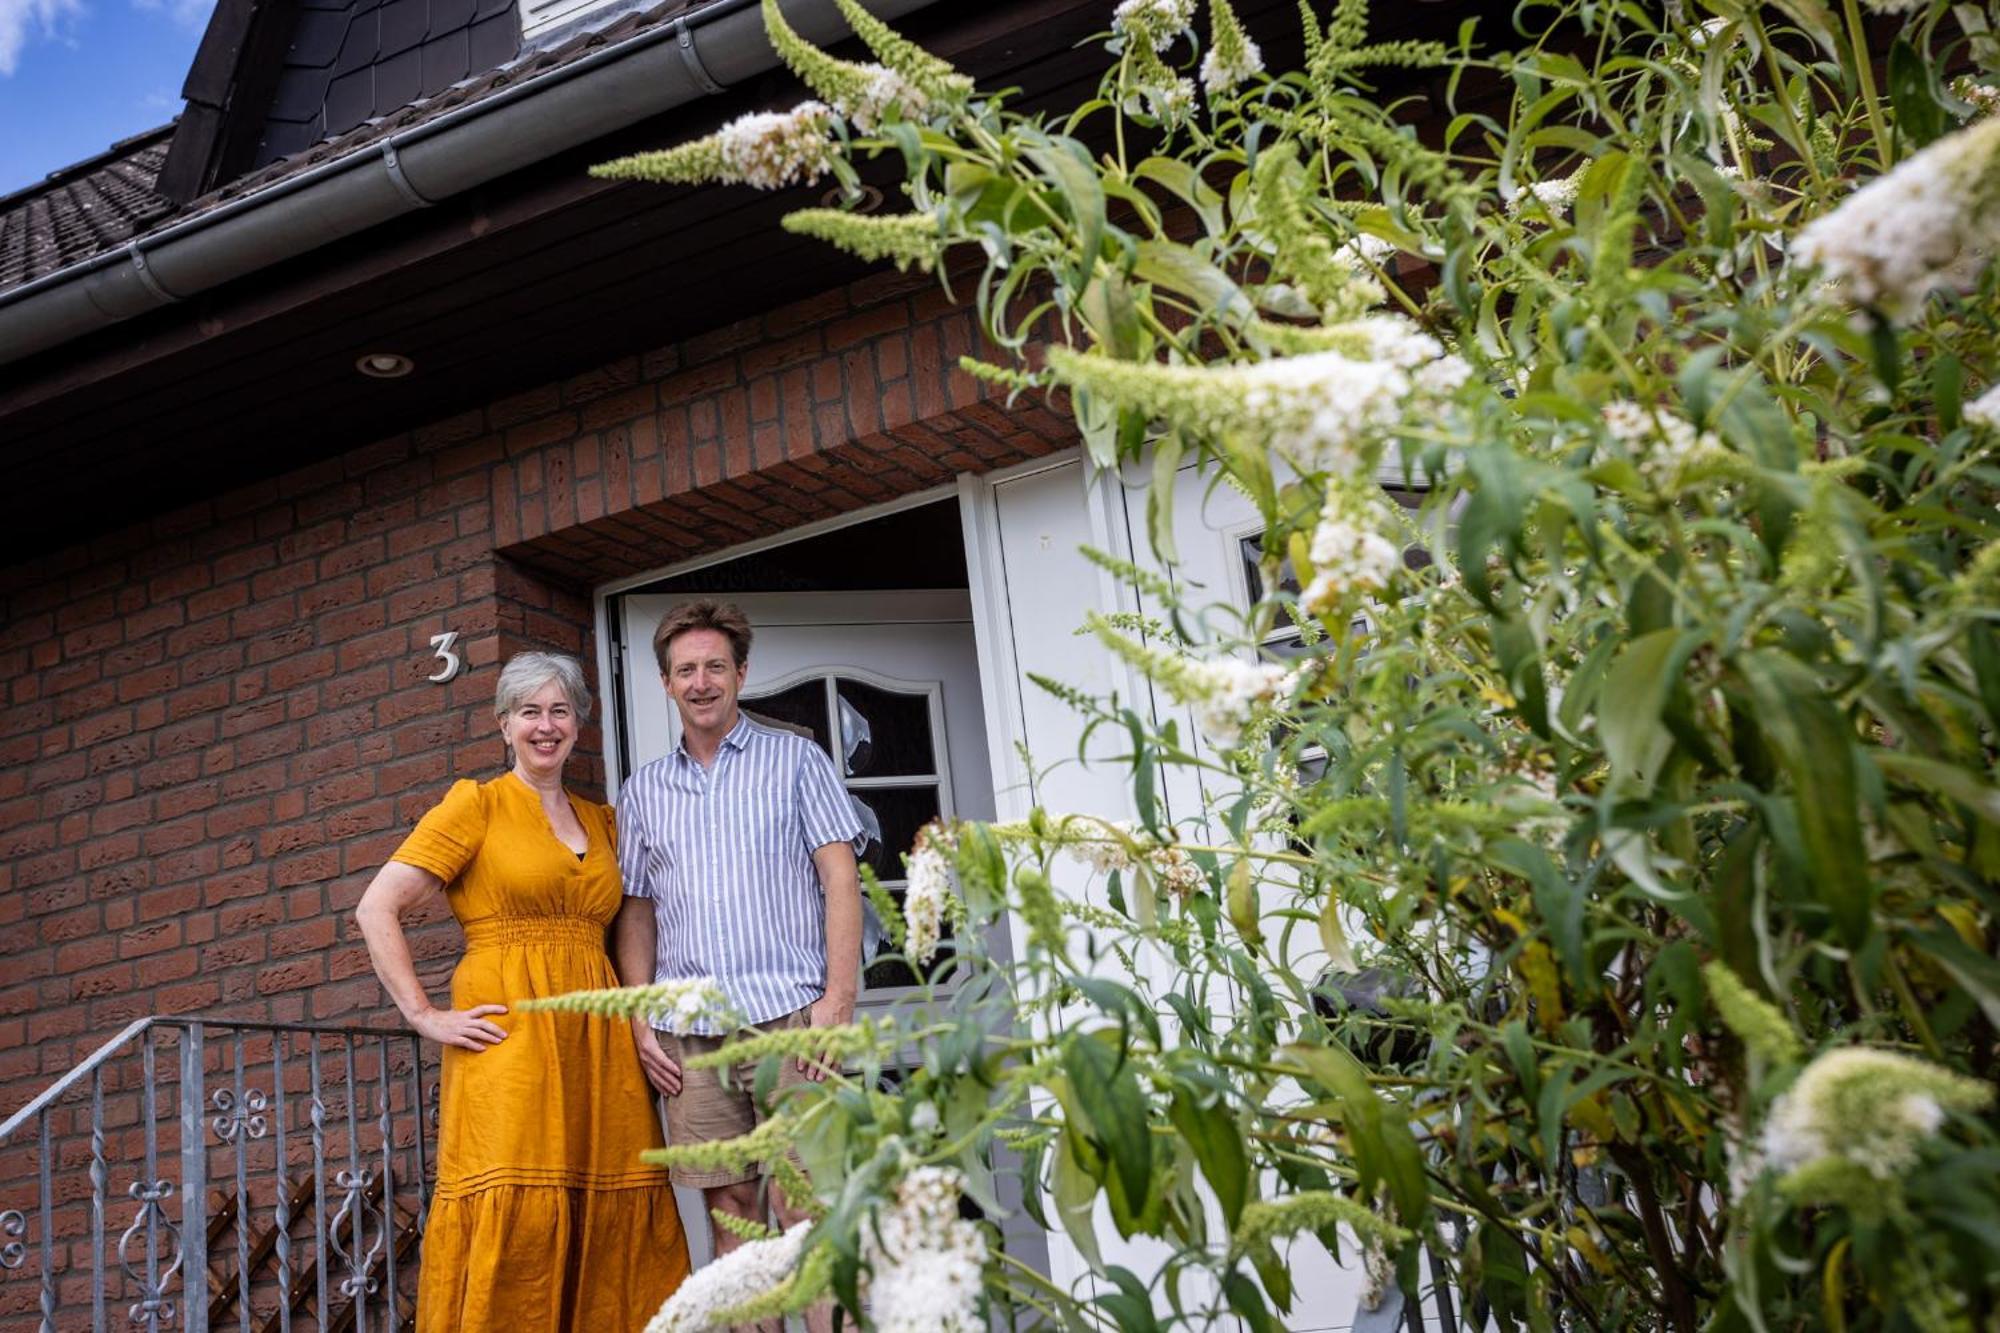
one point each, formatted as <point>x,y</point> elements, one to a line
<point>738,856</point>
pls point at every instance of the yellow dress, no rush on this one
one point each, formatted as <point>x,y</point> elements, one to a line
<point>544,1218</point>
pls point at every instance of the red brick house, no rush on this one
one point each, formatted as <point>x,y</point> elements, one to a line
<point>350,380</point>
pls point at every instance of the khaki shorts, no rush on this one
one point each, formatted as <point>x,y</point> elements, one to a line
<point>717,1103</point>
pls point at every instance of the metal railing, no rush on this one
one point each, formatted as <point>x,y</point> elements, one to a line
<point>277,1177</point>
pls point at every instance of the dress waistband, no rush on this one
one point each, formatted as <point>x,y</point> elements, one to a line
<point>496,932</point>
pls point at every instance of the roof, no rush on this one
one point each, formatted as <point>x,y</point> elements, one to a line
<point>83,209</point>
<point>99,205</point>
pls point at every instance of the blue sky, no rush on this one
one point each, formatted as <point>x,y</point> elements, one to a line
<point>78,75</point>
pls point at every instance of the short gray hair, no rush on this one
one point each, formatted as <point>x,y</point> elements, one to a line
<point>527,672</point>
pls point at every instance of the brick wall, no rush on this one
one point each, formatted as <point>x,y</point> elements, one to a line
<point>217,724</point>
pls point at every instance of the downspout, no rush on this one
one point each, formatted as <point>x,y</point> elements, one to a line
<point>701,53</point>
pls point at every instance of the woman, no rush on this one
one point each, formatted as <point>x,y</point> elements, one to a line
<point>543,1218</point>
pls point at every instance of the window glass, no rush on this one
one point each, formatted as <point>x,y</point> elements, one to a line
<point>801,706</point>
<point>885,733</point>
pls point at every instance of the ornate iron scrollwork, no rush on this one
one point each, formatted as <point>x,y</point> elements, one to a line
<point>152,1308</point>
<point>368,1229</point>
<point>13,1224</point>
<point>246,1119</point>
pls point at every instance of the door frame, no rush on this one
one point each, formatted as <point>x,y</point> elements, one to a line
<point>605,627</point>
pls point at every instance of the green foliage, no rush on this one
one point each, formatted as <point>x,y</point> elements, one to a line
<point>1609,909</point>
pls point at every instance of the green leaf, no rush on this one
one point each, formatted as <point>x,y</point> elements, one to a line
<point>1979,974</point>
<point>1520,659</point>
<point>1242,905</point>
<point>1167,453</point>
<point>1179,269</point>
<point>1184,183</point>
<point>1814,746</point>
<point>1075,1192</point>
<point>1378,1131</point>
<point>1217,1142</point>
<point>1947,780</point>
<point>1106,1086</point>
<point>1636,739</point>
<point>1066,163</point>
<point>1919,114</point>
<point>1559,901</point>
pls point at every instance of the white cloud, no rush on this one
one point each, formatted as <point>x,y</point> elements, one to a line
<point>23,19</point>
<point>187,13</point>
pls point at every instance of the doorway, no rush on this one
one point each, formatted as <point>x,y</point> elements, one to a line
<point>865,639</point>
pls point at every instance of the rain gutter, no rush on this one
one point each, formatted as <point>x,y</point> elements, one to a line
<point>698,54</point>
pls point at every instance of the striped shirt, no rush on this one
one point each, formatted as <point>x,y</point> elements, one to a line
<point>725,854</point>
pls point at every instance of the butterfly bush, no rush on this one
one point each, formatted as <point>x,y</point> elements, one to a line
<point>1566,882</point>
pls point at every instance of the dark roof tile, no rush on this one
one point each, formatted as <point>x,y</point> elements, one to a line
<point>399,78</point>
<point>302,132</point>
<point>299,95</point>
<point>404,25</point>
<point>318,38</point>
<point>350,99</point>
<point>82,210</point>
<point>495,41</point>
<point>364,41</point>
<point>450,16</point>
<point>445,62</point>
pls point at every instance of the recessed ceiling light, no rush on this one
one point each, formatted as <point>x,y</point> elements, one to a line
<point>856,199</point>
<point>384,365</point>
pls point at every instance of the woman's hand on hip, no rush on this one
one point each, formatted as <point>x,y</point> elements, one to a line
<point>661,1071</point>
<point>467,1029</point>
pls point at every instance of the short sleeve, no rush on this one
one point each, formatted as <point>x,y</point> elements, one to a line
<point>628,832</point>
<point>826,814</point>
<point>445,840</point>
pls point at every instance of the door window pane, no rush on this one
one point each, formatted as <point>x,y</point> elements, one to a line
<point>885,733</point>
<point>802,705</point>
<point>899,812</point>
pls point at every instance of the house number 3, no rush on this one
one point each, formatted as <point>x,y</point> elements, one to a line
<point>442,645</point>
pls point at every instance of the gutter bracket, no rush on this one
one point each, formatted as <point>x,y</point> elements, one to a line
<point>394,166</point>
<point>144,273</point>
<point>684,39</point>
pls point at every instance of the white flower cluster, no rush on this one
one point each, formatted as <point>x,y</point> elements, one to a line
<point>1170,103</point>
<point>1106,845</point>
<point>1366,249</point>
<point>1873,1109</point>
<point>885,89</point>
<point>1348,558</point>
<point>1984,98</point>
<point>1555,196</point>
<point>1222,70</point>
<point>681,1003</point>
<point>771,149</point>
<point>1225,691</point>
<point>925,1259</point>
<point>1660,442</point>
<point>745,1273</point>
<point>1160,20</point>
<point>1319,409</point>
<point>1985,409</point>
<point>1178,874</point>
<point>923,899</point>
<point>1928,225</point>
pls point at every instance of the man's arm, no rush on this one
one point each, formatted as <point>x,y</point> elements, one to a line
<point>841,883</point>
<point>635,939</point>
